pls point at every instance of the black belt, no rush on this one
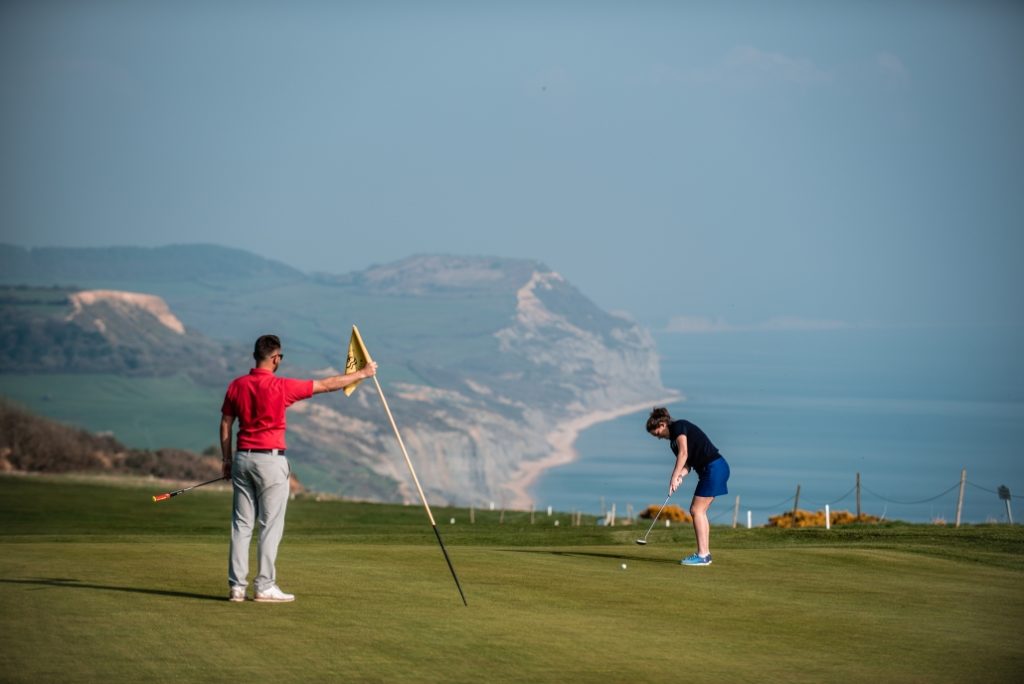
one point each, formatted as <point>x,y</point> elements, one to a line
<point>275,452</point>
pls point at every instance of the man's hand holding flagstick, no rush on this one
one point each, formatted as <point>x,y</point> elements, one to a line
<point>358,367</point>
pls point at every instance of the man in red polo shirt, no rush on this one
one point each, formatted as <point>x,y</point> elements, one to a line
<point>259,471</point>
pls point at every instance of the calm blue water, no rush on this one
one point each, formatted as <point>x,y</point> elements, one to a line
<point>906,409</point>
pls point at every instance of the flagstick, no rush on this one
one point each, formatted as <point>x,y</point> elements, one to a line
<point>415,479</point>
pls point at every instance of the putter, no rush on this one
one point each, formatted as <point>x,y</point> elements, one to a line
<point>644,540</point>
<point>168,495</point>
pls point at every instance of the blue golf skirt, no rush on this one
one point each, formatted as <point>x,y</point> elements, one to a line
<point>713,479</point>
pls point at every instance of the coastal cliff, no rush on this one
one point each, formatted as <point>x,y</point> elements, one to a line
<point>482,432</point>
<point>491,366</point>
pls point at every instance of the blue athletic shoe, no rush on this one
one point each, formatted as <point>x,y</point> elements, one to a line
<point>696,560</point>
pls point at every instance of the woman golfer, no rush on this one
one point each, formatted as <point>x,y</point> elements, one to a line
<point>694,452</point>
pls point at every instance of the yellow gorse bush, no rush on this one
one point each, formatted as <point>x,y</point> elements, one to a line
<point>817,519</point>
<point>672,512</point>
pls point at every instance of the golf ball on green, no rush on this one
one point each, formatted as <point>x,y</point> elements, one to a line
<point>623,566</point>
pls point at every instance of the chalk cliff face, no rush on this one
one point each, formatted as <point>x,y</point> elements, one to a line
<point>479,432</point>
<point>135,306</point>
<point>488,364</point>
<point>58,330</point>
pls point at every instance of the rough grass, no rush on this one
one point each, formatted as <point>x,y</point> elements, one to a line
<point>97,583</point>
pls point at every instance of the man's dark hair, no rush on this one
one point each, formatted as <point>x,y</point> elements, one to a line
<point>266,346</point>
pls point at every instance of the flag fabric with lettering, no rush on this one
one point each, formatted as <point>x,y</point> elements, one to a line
<point>357,359</point>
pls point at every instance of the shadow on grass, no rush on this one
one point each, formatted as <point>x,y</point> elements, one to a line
<point>595,554</point>
<point>76,584</point>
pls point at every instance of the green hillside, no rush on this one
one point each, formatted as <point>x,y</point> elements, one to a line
<point>234,296</point>
<point>55,330</point>
<point>97,583</point>
<point>148,413</point>
<point>468,347</point>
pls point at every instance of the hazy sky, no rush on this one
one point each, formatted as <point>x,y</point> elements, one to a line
<point>717,164</point>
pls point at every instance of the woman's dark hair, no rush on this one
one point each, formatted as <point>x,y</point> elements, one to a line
<point>266,345</point>
<point>659,416</point>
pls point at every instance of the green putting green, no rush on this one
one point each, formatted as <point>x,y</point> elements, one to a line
<point>98,583</point>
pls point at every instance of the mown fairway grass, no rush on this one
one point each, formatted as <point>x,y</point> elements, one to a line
<point>97,583</point>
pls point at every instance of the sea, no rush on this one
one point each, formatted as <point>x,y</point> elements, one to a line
<point>909,410</point>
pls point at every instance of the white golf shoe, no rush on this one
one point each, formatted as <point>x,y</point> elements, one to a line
<point>237,594</point>
<point>273,595</point>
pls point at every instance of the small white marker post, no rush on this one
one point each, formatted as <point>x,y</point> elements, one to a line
<point>828,518</point>
<point>750,522</point>
<point>960,498</point>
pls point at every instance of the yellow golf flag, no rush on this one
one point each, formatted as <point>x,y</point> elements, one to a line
<point>357,359</point>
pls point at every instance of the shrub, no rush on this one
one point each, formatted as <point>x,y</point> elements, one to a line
<point>31,443</point>
<point>817,519</point>
<point>671,512</point>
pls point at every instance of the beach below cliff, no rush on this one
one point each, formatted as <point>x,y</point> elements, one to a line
<point>562,441</point>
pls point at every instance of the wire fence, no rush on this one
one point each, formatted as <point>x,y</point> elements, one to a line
<point>722,511</point>
<point>788,504</point>
<point>1003,494</point>
<point>955,485</point>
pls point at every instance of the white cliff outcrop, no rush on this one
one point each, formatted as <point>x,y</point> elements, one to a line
<point>125,303</point>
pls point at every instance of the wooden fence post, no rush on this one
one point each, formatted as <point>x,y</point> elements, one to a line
<point>858,496</point>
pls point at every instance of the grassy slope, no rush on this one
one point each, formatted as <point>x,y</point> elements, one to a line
<point>97,583</point>
<point>145,413</point>
<point>178,412</point>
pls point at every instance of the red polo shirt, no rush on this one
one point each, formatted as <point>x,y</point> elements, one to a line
<point>259,400</point>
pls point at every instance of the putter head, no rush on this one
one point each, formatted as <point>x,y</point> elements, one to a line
<point>161,497</point>
<point>641,541</point>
